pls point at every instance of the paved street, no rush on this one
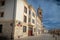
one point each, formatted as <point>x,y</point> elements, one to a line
<point>41,37</point>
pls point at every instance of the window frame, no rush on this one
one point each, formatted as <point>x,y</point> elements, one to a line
<point>29,12</point>
<point>25,9</point>
<point>1,14</point>
<point>25,18</point>
<point>33,14</point>
<point>33,21</point>
<point>24,28</point>
<point>29,19</point>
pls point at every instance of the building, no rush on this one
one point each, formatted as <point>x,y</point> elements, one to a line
<point>54,31</point>
<point>17,19</point>
<point>31,20</point>
<point>39,21</point>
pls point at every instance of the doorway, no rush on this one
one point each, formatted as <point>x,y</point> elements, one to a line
<point>30,31</point>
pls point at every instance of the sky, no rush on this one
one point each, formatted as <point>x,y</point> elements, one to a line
<point>50,11</point>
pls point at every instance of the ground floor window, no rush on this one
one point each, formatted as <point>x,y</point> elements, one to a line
<point>24,28</point>
<point>1,28</point>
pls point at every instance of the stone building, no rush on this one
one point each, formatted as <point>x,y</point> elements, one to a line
<point>39,21</point>
<point>17,19</point>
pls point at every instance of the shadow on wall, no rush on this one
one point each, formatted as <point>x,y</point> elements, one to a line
<point>3,38</point>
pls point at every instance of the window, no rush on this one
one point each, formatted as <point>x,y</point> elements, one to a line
<point>33,15</point>
<point>33,21</point>
<point>0,28</point>
<point>29,19</point>
<point>24,28</point>
<point>25,19</point>
<point>40,13</point>
<point>1,14</point>
<point>2,2</point>
<point>29,12</point>
<point>25,9</point>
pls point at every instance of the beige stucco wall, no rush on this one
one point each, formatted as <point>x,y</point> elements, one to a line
<point>19,31</point>
<point>19,10</point>
<point>20,18</point>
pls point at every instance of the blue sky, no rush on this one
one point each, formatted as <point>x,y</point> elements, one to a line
<point>51,12</point>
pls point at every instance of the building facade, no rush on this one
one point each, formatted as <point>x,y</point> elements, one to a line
<point>39,21</point>
<point>17,19</point>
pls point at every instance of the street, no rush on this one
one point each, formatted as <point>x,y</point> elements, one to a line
<point>41,37</point>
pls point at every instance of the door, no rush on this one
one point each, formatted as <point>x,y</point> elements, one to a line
<point>30,31</point>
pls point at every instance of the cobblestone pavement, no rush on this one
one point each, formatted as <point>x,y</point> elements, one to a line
<point>41,37</point>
